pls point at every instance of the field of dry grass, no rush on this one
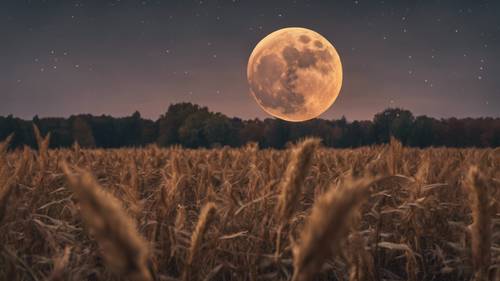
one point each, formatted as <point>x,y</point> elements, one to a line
<point>305,213</point>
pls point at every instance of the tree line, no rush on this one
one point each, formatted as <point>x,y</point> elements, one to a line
<point>193,126</point>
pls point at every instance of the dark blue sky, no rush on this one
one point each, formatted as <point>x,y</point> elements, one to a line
<point>61,57</point>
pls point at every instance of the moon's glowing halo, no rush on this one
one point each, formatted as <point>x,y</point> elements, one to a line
<point>295,74</point>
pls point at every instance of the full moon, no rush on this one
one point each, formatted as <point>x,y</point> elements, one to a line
<point>295,74</point>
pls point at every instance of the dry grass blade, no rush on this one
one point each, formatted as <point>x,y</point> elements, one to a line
<point>294,177</point>
<point>123,249</point>
<point>327,225</point>
<point>206,216</point>
<point>481,226</point>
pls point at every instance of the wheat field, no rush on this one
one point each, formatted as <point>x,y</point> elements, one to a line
<point>386,212</point>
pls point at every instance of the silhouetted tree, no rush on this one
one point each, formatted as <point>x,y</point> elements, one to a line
<point>394,122</point>
<point>193,126</point>
<point>423,132</point>
<point>172,120</point>
<point>275,133</point>
<point>82,133</point>
<point>218,130</point>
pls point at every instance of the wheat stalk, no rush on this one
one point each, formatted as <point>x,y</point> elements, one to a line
<point>294,177</point>
<point>291,186</point>
<point>328,224</point>
<point>122,247</point>
<point>206,216</point>
<point>43,147</point>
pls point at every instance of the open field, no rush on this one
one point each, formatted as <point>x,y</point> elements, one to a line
<point>305,213</point>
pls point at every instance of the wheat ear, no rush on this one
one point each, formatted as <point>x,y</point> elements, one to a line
<point>326,227</point>
<point>122,247</point>
<point>294,177</point>
<point>204,220</point>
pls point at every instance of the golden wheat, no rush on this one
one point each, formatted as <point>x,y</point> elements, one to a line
<point>144,218</point>
<point>328,223</point>
<point>124,250</point>
<point>204,220</point>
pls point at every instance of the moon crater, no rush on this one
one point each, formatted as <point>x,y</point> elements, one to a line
<point>294,74</point>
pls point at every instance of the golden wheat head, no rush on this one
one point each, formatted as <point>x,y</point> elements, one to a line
<point>124,250</point>
<point>326,227</point>
<point>294,177</point>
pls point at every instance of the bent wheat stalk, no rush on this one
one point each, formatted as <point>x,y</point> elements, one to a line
<point>326,227</point>
<point>291,186</point>
<point>123,249</point>
<point>294,177</point>
<point>206,216</point>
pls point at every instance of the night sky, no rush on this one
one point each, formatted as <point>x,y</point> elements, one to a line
<point>62,57</point>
